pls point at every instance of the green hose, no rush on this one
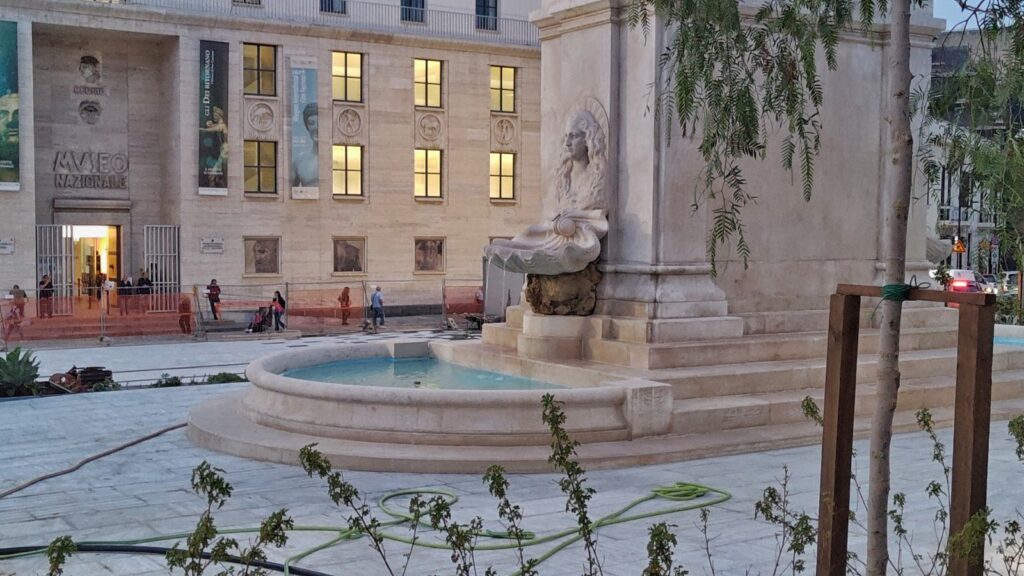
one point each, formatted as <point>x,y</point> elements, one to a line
<point>692,496</point>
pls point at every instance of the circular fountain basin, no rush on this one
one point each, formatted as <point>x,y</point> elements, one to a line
<point>364,422</point>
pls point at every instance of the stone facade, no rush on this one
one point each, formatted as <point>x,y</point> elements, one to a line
<point>140,121</point>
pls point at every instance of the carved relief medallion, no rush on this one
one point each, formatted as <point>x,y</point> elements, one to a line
<point>349,122</point>
<point>430,127</point>
<point>504,131</point>
<point>261,117</point>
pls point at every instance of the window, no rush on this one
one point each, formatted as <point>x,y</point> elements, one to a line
<point>503,176</point>
<point>262,255</point>
<point>427,82</point>
<point>348,170</point>
<point>429,255</point>
<point>487,14</point>
<point>260,167</point>
<point>503,89</point>
<point>349,255</point>
<point>427,169</point>
<point>347,76</point>
<point>412,10</point>
<point>259,64</point>
<point>333,6</point>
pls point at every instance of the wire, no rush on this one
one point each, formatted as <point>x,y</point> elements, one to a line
<point>113,450</point>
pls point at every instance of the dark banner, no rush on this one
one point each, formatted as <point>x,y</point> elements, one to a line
<point>9,166</point>
<point>213,118</point>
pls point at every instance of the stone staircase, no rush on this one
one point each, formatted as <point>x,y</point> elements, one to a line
<point>736,394</point>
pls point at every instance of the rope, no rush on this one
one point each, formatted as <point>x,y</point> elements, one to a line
<point>899,292</point>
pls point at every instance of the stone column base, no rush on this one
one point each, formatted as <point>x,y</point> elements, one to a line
<point>660,292</point>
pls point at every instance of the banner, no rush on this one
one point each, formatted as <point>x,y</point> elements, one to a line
<point>213,118</point>
<point>9,140</point>
<point>305,168</point>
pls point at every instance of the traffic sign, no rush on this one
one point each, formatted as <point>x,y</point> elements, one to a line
<point>959,247</point>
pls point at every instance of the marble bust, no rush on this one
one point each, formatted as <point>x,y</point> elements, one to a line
<point>571,238</point>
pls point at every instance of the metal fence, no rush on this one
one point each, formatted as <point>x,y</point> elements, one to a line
<point>391,19</point>
<point>91,313</point>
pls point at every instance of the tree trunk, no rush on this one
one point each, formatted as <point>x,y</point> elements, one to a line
<point>895,250</point>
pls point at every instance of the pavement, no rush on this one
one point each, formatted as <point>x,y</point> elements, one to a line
<point>144,490</point>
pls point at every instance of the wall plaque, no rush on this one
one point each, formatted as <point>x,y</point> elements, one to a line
<point>6,246</point>
<point>211,246</point>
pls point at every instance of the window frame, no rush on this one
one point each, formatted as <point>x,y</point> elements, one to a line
<point>427,174</point>
<point>501,177</point>
<point>427,83</point>
<point>346,170</point>
<point>259,167</point>
<point>339,7</point>
<point>501,90</point>
<point>259,70</point>
<point>413,11</point>
<point>346,77</point>
<point>362,256</point>
<point>487,19</point>
<point>245,249</point>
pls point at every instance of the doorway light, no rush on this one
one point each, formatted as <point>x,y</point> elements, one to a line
<point>79,232</point>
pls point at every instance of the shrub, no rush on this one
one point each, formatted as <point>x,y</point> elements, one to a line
<point>224,378</point>
<point>18,373</point>
<point>107,385</point>
<point>167,381</point>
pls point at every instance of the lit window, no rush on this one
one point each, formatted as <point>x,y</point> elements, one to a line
<point>503,89</point>
<point>347,76</point>
<point>427,170</point>
<point>427,82</point>
<point>259,69</point>
<point>348,170</point>
<point>260,167</point>
<point>503,176</point>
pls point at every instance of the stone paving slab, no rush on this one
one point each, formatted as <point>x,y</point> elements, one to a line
<point>143,491</point>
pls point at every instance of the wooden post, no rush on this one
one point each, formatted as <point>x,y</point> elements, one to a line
<point>972,418</point>
<point>837,438</point>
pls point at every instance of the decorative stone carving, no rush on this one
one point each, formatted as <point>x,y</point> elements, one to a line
<point>261,118</point>
<point>349,123</point>
<point>429,127</point>
<point>571,239</point>
<point>572,294</point>
<point>504,131</point>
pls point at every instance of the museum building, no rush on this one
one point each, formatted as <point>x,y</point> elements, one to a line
<point>264,141</point>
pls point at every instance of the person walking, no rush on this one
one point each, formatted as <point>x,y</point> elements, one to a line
<point>46,297</point>
<point>346,305</point>
<point>213,294</point>
<point>124,294</point>
<point>377,307</point>
<point>20,298</point>
<point>279,306</point>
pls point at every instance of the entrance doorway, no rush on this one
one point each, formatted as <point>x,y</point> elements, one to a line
<point>97,257</point>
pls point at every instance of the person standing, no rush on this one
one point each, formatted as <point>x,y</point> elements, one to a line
<point>20,298</point>
<point>377,307</point>
<point>278,304</point>
<point>124,294</point>
<point>213,294</point>
<point>143,287</point>
<point>346,305</point>
<point>46,297</point>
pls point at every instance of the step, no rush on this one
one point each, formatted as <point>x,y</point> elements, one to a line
<point>764,377</point>
<point>757,348</point>
<point>501,334</point>
<point>217,425</point>
<point>742,411</point>
<point>783,322</point>
<point>642,331</point>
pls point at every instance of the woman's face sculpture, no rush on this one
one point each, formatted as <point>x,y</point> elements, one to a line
<point>576,141</point>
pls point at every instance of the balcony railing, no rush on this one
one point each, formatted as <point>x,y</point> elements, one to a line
<point>390,19</point>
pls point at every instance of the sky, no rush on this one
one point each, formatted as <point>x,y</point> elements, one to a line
<point>949,10</point>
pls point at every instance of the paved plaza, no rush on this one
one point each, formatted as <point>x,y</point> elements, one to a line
<point>144,491</point>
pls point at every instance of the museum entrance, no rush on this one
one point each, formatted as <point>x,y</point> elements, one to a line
<point>97,257</point>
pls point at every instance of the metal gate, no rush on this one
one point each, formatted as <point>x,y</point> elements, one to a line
<point>162,264</point>
<point>55,257</point>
